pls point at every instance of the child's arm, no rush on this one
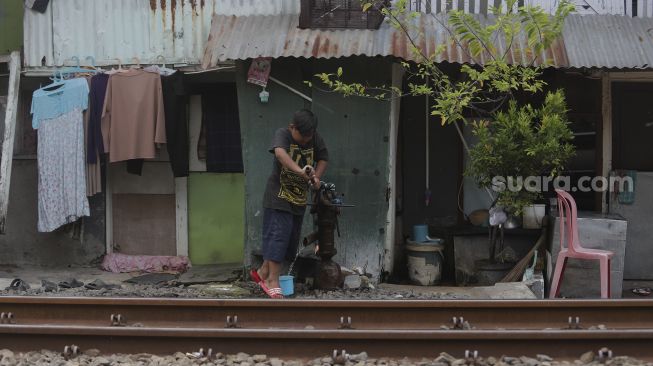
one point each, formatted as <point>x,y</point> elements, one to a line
<point>285,160</point>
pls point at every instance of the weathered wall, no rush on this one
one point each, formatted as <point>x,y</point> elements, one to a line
<point>23,245</point>
<point>11,25</point>
<point>639,250</point>
<point>355,131</point>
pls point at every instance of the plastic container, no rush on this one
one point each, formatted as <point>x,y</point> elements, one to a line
<point>420,233</point>
<point>532,216</point>
<point>287,284</point>
<point>425,262</point>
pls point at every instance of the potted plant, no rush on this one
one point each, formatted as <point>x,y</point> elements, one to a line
<point>521,142</point>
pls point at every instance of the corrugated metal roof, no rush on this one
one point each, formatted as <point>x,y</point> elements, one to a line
<point>598,41</point>
<point>234,38</point>
<point>124,29</point>
<point>609,41</point>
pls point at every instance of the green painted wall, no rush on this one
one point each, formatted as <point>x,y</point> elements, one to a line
<point>216,217</point>
<point>11,25</point>
<point>355,131</point>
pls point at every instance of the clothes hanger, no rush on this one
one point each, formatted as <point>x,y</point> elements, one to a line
<point>119,69</point>
<point>163,70</point>
<point>77,69</point>
<point>138,63</point>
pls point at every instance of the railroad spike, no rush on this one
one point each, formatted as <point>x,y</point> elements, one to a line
<point>232,322</point>
<point>117,320</point>
<point>471,357</point>
<point>574,322</point>
<point>604,354</point>
<point>7,318</point>
<point>345,322</point>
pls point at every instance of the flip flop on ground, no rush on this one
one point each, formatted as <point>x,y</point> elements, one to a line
<point>18,285</point>
<point>98,284</point>
<point>70,283</point>
<point>48,286</point>
<point>642,291</point>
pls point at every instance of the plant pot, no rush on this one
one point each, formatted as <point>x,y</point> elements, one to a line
<point>532,216</point>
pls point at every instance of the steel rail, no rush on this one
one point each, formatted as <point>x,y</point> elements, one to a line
<point>312,328</point>
<point>317,343</point>
<point>330,314</point>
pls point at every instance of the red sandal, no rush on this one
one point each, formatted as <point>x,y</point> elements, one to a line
<point>274,293</point>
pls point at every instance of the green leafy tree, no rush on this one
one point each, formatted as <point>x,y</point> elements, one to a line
<point>486,86</point>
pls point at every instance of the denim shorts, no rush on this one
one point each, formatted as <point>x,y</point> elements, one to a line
<point>281,231</point>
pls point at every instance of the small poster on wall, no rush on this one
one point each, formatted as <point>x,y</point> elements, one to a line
<point>259,71</point>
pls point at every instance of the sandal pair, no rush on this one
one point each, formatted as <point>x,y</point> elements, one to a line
<point>274,293</point>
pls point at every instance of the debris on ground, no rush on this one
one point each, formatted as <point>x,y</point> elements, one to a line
<point>93,357</point>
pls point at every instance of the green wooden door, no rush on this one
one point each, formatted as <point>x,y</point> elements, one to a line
<point>216,229</point>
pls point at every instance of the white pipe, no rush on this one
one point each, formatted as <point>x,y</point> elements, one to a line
<point>292,89</point>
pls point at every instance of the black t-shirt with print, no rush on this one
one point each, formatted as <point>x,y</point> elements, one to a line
<point>286,190</point>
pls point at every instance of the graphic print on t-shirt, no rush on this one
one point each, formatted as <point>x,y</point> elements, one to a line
<point>293,186</point>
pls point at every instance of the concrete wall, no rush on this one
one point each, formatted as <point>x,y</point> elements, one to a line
<point>23,245</point>
<point>355,131</point>
<point>639,245</point>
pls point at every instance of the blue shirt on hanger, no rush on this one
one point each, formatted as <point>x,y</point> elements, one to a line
<point>47,104</point>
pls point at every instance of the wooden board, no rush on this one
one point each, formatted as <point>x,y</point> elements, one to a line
<point>144,224</point>
<point>8,135</point>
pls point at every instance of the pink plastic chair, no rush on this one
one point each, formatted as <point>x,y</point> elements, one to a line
<point>569,225</point>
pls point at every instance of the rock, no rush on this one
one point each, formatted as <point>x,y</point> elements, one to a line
<point>7,358</point>
<point>359,357</point>
<point>527,361</point>
<point>241,357</point>
<point>309,327</point>
<point>259,358</point>
<point>509,360</point>
<point>100,361</point>
<point>602,327</point>
<point>326,360</point>
<point>219,290</point>
<point>587,357</point>
<point>245,363</point>
<point>353,282</point>
<point>544,358</point>
<point>445,358</point>
<point>276,362</point>
<point>92,352</point>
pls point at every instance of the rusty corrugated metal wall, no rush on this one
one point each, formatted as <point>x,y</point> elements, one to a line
<point>125,29</point>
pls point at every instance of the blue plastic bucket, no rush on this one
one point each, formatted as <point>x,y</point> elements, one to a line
<point>420,233</point>
<point>287,285</point>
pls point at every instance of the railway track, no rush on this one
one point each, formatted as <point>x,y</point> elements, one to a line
<point>310,328</point>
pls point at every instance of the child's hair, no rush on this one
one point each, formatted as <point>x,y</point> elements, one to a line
<point>305,122</point>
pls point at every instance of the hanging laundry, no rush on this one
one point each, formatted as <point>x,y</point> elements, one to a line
<point>95,144</point>
<point>175,100</point>
<point>93,169</point>
<point>133,119</point>
<point>57,115</point>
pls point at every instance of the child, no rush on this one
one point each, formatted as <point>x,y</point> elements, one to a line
<point>300,160</point>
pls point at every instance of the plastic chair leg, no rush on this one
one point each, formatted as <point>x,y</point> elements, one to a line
<point>605,277</point>
<point>557,276</point>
